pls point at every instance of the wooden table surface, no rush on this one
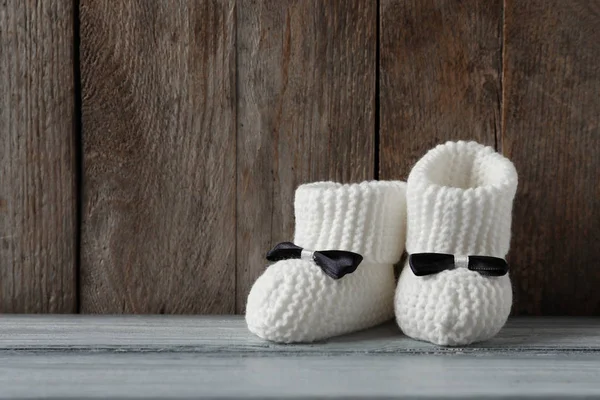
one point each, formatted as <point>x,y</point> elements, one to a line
<point>187,357</point>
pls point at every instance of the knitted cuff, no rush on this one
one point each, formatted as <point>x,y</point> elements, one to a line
<point>367,218</point>
<point>460,199</point>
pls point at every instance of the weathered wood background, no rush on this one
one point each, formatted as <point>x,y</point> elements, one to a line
<point>149,149</point>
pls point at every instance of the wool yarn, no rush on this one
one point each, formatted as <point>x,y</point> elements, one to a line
<point>459,201</point>
<point>295,301</point>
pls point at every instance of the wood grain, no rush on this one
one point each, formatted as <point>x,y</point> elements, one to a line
<point>37,157</point>
<point>194,376</point>
<point>306,96</point>
<point>158,229</point>
<point>440,63</point>
<point>187,357</point>
<point>551,131</point>
<point>229,335</point>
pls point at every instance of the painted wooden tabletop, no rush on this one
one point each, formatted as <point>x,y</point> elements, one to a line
<point>185,357</point>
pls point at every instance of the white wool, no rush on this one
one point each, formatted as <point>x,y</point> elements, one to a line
<point>459,199</point>
<point>294,301</point>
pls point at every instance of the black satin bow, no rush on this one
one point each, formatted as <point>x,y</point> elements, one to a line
<point>432,263</point>
<point>335,263</point>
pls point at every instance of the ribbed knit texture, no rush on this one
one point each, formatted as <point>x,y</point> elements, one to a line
<point>294,301</point>
<point>459,199</point>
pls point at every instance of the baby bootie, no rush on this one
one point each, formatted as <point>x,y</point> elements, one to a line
<point>337,276</point>
<point>454,288</point>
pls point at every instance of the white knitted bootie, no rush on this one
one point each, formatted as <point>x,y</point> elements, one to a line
<point>296,300</point>
<point>459,200</point>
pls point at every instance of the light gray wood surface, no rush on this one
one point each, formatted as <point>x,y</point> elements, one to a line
<point>191,375</point>
<point>228,334</point>
<point>216,357</point>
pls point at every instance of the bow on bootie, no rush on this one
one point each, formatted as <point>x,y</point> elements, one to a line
<point>335,263</point>
<point>432,263</point>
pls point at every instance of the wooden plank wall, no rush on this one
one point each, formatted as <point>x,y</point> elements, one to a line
<point>159,158</point>
<point>306,112</point>
<point>200,117</point>
<point>551,130</point>
<point>38,204</point>
<point>440,69</point>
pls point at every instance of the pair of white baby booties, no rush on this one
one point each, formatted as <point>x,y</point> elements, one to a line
<point>458,201</point>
